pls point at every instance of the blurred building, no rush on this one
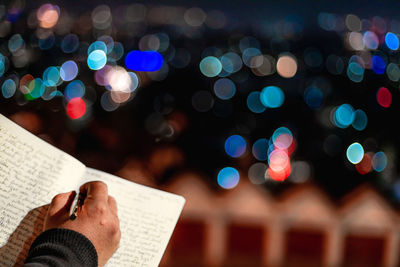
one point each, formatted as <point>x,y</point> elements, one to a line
<point>246,226</point>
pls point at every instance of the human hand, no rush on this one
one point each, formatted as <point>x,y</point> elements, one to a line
<point>97,218</point>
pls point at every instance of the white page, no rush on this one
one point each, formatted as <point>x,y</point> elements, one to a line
<point>32,172</point>
<point>147,219</point>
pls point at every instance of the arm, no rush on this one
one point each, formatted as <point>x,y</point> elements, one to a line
<point>88,240</point>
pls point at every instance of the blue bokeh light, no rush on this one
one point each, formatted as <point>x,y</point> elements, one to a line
<point>70,43</point>
<point>210,66</point>
<point>272,97</point>
<point>344,116</point>
<point>143,60</point>
<point>235,146</point>
<point>392,41</point>
<point>231,62</point>
<point>8,88</point>
<point>248,54</point>
<point>313,97</point>
<point>228,177</point>
<point>68,70</point>
<point>379,161</point>
<point>224,88</point>
<point>97,45</point>
<point>2,68</point>
<point>260,149</point>
<point>15,43</point>
<point>378,64</point>
<point>97,59</point>
<point>47,43</point>
<point>74,89</point>
<point>355,153</point>
<point>360,120</point>
<point>254,103</point>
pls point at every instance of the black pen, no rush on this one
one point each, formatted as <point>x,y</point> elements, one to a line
<point>76,203</point>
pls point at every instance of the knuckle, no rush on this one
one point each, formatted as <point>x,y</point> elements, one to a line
<point>100,208</point>
<point>57,198</point>
<point>100,185</point>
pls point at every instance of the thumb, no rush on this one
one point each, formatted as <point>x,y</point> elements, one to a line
<point>60,204</point>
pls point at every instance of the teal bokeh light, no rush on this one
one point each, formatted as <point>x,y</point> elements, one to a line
<point>355,153</point>
<point>272,97</point>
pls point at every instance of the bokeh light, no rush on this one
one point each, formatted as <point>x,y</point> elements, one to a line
<point>365,165</point>
<point>36,89</point>
<point>70,43</point>
<point>393,72</point>
<point>286,66</point>
<point>235,146</point>
<point>282,138</point>
<point>8,88</point>
<point>313,97</point>
<point>272,97</point>
<point>47,43</point>
<point>68,70</point>
<point>260,149</point>
<point>224,88</point>
<point>228,178</point>
<point>355,72</point>
<point>210,66</point>
<point>48,15</point>
<point>379,161</point>
<point>75,89</point>
<point>278,160</point>
<point>254,102</point>
<point>143,60</point>
<point>355,153</point>
<point>119,80</point>
<point>301,172</point>
<point>51,76</point>
<point>370,40</point>
<point>76,108</point>
<point>97,45</point>
<point>231,62</point>
<point>384,97</point>
<point>392,41</point>
<point>97,59</point>
<point>360,120</point>
<point>256,173</point>
<point>344,116</point>
<point>2,68</point>
<point>378,64</point>
<point>15,43</point>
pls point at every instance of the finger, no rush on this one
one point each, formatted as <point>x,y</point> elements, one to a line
<point>96,191</point>
<point>112,204</point>
<point>61,203</point>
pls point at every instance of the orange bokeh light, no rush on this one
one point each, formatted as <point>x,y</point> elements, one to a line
<point>48,15</point>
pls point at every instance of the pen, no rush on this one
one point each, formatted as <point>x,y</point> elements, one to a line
<point>76,203</point>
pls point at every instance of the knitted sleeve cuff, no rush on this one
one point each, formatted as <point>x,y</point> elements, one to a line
<point>68,245</point>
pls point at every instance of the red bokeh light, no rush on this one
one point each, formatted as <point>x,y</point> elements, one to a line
<point>365,165</point>
<point>280,175</point>
<point>384,97</point>
<point>76,107</point>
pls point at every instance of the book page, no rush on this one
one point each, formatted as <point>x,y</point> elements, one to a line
<point>147,219</point>
<point>32,172</point>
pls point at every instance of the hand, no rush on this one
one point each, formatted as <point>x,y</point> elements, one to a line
<point>97,218</point>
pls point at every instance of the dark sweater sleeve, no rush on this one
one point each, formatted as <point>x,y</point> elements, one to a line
<point>61,247</point>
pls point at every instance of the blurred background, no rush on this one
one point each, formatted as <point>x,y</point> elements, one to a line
<point>275,119</point>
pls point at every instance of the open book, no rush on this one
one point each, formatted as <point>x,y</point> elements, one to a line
<point>33,171</point>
